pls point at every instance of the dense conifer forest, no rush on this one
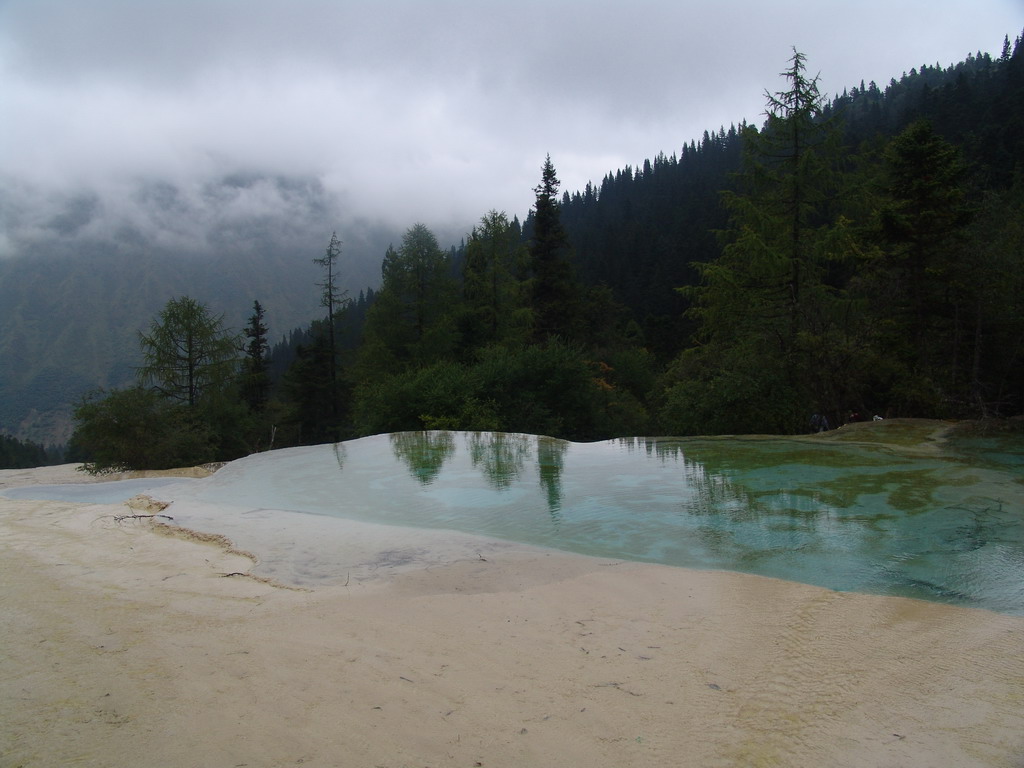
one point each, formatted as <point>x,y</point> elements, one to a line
<point>850,257</point>
<point>22,454</point>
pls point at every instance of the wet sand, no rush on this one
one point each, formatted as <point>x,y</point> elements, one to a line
<point>126,646</point>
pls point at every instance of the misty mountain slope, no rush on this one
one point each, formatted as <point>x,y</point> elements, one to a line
<point>69,325</point>
<point>83,270</point>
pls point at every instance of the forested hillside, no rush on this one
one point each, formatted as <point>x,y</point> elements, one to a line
<point>899,288</point>
<point>641,229</point>
<point>851,256</point>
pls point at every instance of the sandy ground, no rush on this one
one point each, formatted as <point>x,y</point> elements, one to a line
<point>123,646</point>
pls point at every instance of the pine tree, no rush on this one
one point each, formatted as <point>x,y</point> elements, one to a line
<point>553,291</point>
<point>772,344</point>
<point>924,211</point>
<point>925,284</point>
<point>411,321</point>
<point>491,292</point>
<point>187,352</point>
<point>312,392</point>
<point>255,378</point>
<point>332,299</point>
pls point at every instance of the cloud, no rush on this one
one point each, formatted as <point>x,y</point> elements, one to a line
<point>399,110</point>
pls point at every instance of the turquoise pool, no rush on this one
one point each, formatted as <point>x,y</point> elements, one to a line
<point>913,518</point>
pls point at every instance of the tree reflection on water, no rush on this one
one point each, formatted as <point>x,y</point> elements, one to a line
<point>423,452</point>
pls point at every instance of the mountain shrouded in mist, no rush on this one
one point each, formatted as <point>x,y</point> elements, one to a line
<point>94,267</point>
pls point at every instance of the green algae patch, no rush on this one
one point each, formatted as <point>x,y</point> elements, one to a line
<point>927,435</point>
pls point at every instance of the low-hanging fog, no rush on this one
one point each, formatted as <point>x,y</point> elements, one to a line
<point>188,124</point>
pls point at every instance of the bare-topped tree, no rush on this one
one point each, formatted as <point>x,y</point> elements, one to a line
<point>334,300</point>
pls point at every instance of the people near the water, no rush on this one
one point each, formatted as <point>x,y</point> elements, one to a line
<point>819,423</point>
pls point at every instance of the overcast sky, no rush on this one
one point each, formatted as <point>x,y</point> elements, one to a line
<point>428,110</point>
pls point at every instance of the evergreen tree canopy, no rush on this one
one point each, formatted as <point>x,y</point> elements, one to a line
<point>492,292</point>
<point>553,290</point>
<point>21,454</point>
<point>187,352</point>
<point>925,285</point>
<point>412,319</point>
<point>256,380</point>
<point>333,300</point>
<point>774,344</point>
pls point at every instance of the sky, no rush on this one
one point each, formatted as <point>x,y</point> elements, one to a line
<point>171,119</point>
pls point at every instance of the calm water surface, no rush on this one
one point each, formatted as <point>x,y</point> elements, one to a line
<point>900,514</point>
<point>91,493</point>
<point>940,523</point>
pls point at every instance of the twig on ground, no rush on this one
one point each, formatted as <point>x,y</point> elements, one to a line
<point>119,518</point>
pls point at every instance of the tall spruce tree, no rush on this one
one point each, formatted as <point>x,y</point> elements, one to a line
<point>925,210</point>
<point>772,347</point>
<point>491,291</point>
<point>312,393</point>
<point>255,375</point>
<point>774,246</point>
<point>553,291</point>
<point>411,321</point>
<point>927,285</point>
